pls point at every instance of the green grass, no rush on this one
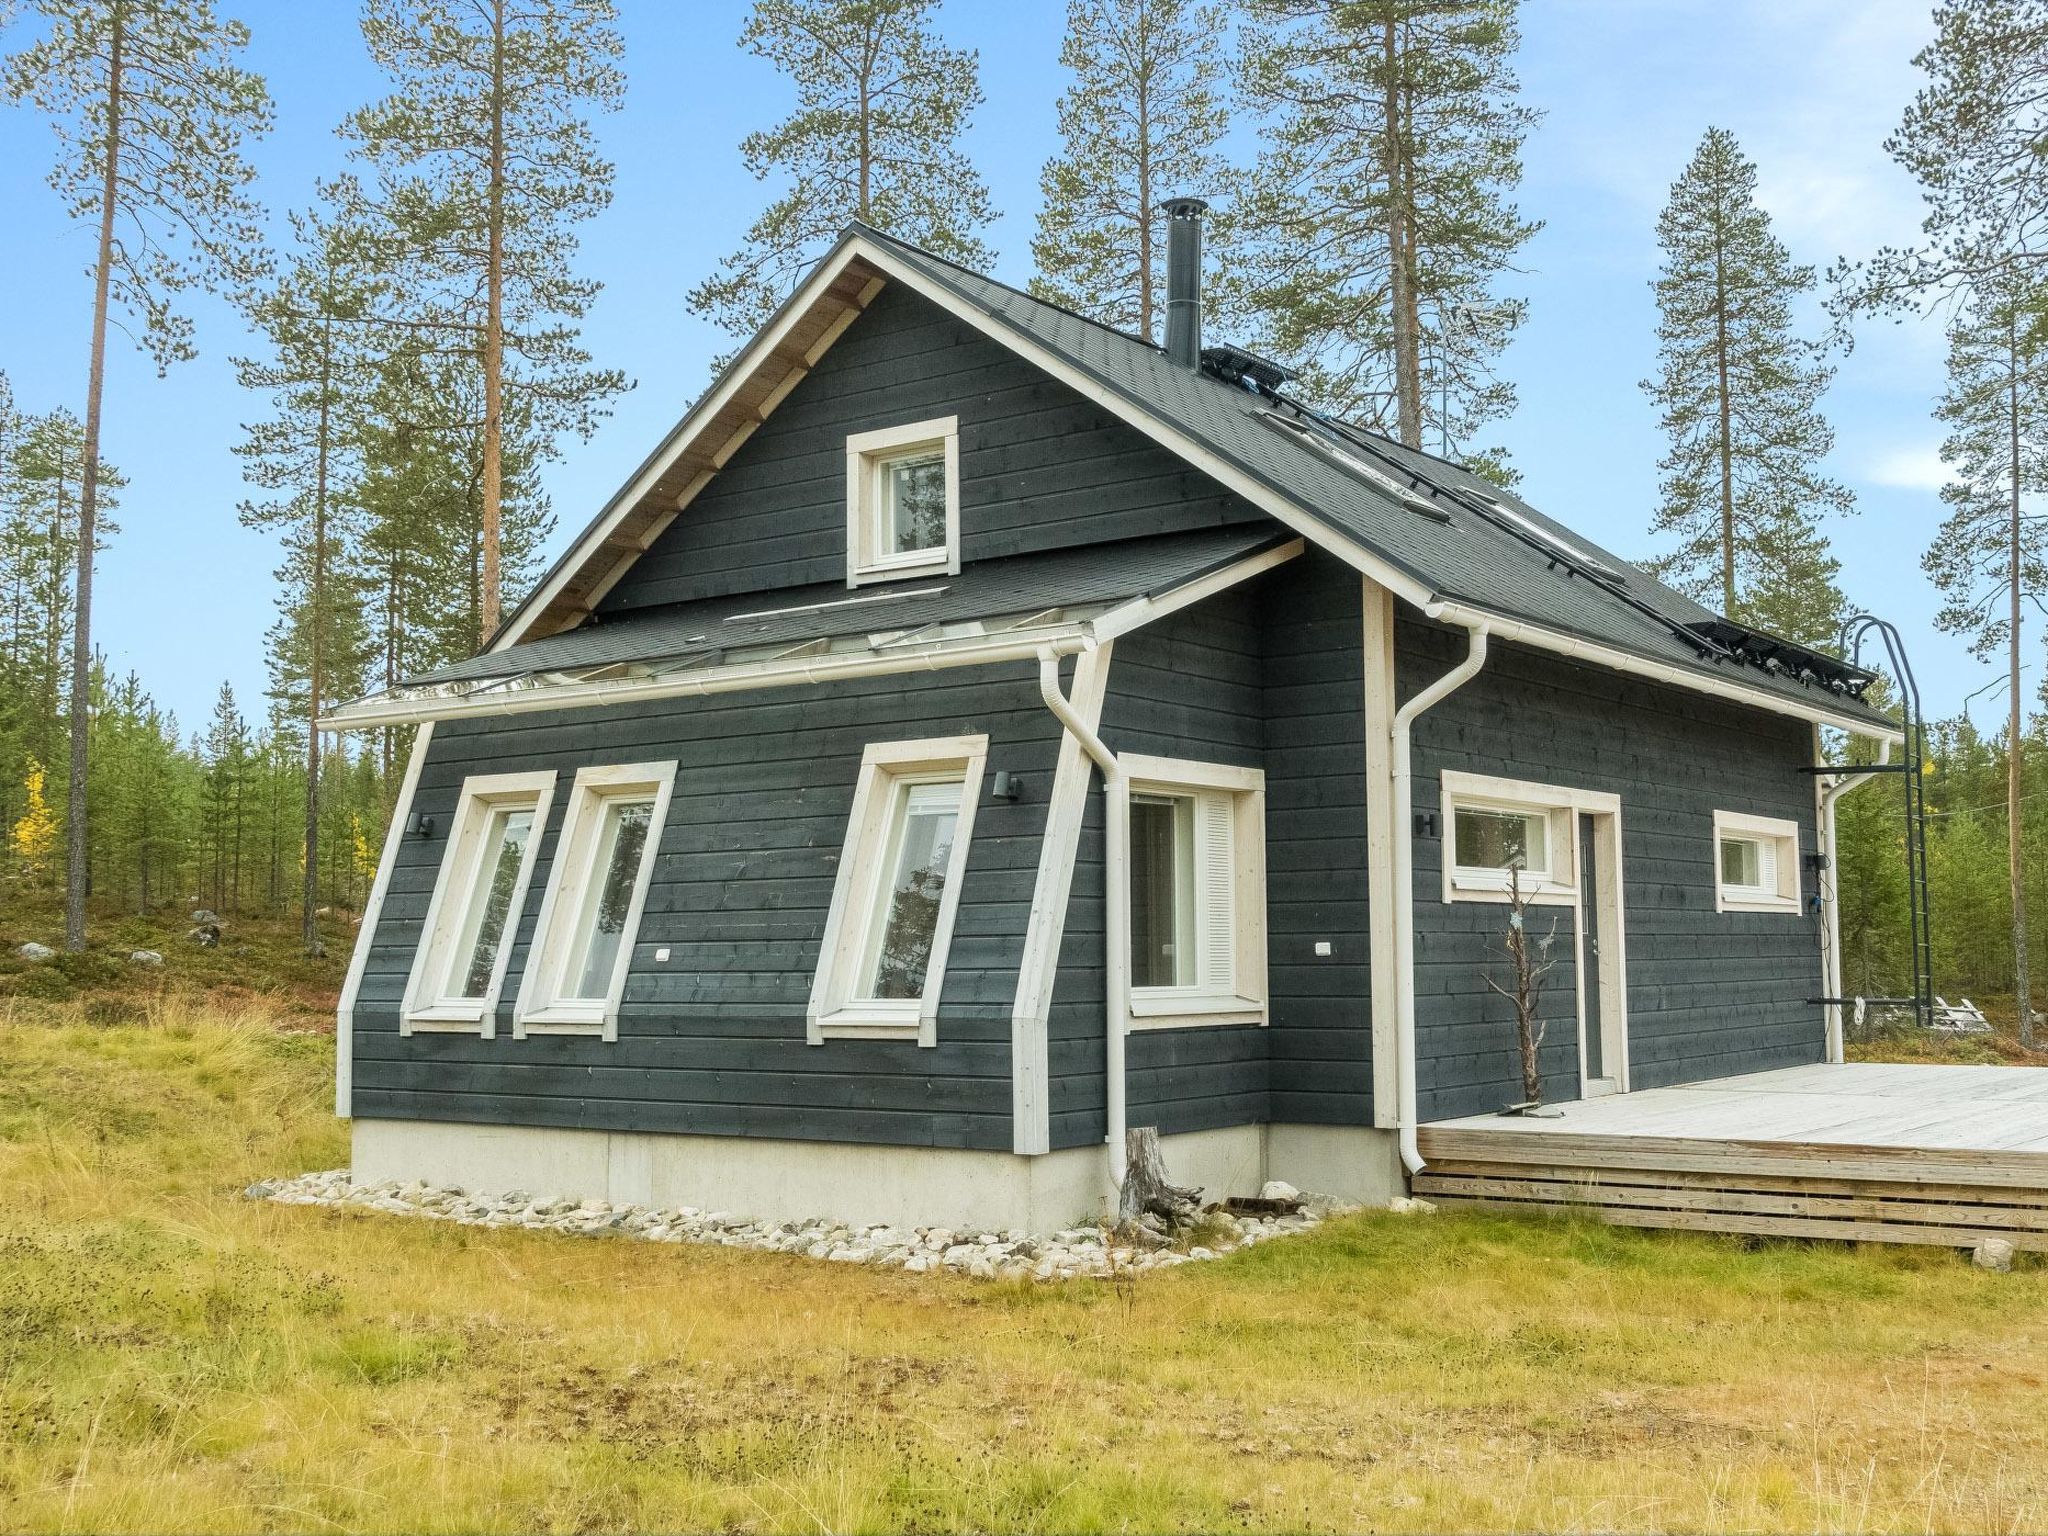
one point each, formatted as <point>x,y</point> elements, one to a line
<point>173,1357</point>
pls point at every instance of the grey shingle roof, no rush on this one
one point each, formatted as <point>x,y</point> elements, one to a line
<point>1469,558</point>
<point>1016,586</point>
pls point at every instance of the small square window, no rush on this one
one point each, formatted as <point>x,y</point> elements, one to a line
<point>590,915</point>
<point>1758,863</point>
<point>1508,835</point>
<point>882,963</point>
<point>1195,886</point>
<point>459,968</point>
<point>903,501</point>
<point>1499,841</point>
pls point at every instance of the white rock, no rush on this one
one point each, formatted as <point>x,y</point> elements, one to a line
<point>1401,1205</point>
<point>1993,1253</point>
<point>35,951</point>
<point>1278,1189</point>
<point>145,957</point>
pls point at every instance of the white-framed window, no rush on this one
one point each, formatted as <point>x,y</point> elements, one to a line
<point>1500,834</point>
<point>590,913</point>
<point>458,970</point>
<point>1756,863</point>
<point>882,962</point>
<point>1195,872</point>
<point>903,501</point>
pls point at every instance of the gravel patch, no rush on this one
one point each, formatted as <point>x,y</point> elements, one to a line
<point>1074,1253</point>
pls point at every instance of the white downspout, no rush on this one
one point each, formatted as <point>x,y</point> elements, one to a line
<point>1831,901</point>
<point>1404,880</point>
<point>1116,938</point>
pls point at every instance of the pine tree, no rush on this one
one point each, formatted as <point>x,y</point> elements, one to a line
<point>484,164</point>
<point>1740,395</point>
<point>881,106</point>
<point>1140,123</point>
<point>1990,557</point>
<point>151,112</point>
<point>1972,139</point>
<point>307,454</point>
<point>1379,218</point>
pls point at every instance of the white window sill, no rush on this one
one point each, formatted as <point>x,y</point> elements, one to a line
<point>1731,901</point>
<point>1174,1009</point>
<point>445,1020</point>
<point>874,1021</point>
<point>1538,893</point>
<point>563,1019</point>
<point>926,562</point>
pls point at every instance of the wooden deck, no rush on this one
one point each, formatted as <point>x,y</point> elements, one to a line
<point>1858,1152</point>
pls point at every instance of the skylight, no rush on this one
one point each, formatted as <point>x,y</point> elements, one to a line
<point>1378,478</point>
<point>1569,548</point>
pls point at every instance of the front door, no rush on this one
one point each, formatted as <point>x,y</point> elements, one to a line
<point>1603,1048</point>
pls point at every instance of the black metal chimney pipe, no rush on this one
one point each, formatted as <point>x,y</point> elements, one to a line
<point>1184,280</point>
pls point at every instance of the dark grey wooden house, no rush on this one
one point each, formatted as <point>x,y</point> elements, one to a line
<point>975,730</point>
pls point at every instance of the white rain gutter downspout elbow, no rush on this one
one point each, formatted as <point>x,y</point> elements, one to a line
<point>1830,882</point>
<point>1116,938</point>
<point>1404,878</point>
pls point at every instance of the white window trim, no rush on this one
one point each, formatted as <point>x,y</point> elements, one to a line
<point>863,450</point>
<point>1790,897</point>
<point>834,1012</point>
<point>481,793</point>
<point>1561,803</point>
<point>1191,1006</point>
<point>540,1008</point>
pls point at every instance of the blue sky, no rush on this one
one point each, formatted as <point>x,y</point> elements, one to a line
<point>1810,87</point>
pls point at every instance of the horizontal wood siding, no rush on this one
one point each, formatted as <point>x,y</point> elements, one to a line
<point>713,1040</point>
<point>1710,994</point>
<point>1041,467</point>
<point>1320,1040</point>
<point>1189,686</point>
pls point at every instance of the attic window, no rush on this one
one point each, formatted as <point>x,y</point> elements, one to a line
<point>903,501</point>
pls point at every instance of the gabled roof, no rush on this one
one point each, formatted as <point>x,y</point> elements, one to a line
<point>1436,535</point>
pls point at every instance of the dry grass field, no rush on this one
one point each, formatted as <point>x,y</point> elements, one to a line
<point>174,1357</point>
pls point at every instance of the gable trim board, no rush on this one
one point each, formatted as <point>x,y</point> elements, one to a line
<point>860,256</point>
<point>366,927</point>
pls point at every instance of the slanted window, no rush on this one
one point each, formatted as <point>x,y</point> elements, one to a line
<point>1504,834</point>
<point>882,964</point>
<point>590,915</point>
<point>1757,863</point>
<point>903,501</point>
<point>1196,869</point>
<point>459,968</point>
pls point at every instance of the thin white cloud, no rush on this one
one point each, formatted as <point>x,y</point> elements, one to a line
<point>1908,469</point>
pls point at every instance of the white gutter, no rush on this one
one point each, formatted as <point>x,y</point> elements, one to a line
<point>732,679</point>
<point>1116,937</point>
<point>1561,644</point>
<point>1404,880</point>
<point>1831,901</point>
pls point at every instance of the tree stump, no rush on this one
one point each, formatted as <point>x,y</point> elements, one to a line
<point>1146,1187</point>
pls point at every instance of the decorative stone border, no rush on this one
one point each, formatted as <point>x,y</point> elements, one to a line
<point>1075,1253</point>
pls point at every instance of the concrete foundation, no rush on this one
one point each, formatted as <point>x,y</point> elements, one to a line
<point>905,1186</point>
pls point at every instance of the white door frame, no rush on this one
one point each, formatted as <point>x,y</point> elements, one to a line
<point>1613,952</point>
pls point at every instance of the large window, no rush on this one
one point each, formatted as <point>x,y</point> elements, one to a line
<point>1756,863</point>
<point>590,915</point>
<point>479,893</point>
<point>1195,872</point>
<point>903,501</point>
<point>883,960</point>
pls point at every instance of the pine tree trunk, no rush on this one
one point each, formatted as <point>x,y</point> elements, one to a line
<point>2022,989</point>
<point>1726,415</point>
<point>1400,256</point>
<point>309,893</point>
<point>76,874</point>
<point>494,334</point>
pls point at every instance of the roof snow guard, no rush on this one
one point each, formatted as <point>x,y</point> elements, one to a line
<point>1784,658</point>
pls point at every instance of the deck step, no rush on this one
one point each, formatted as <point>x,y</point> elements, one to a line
<point>1782,1201</point>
